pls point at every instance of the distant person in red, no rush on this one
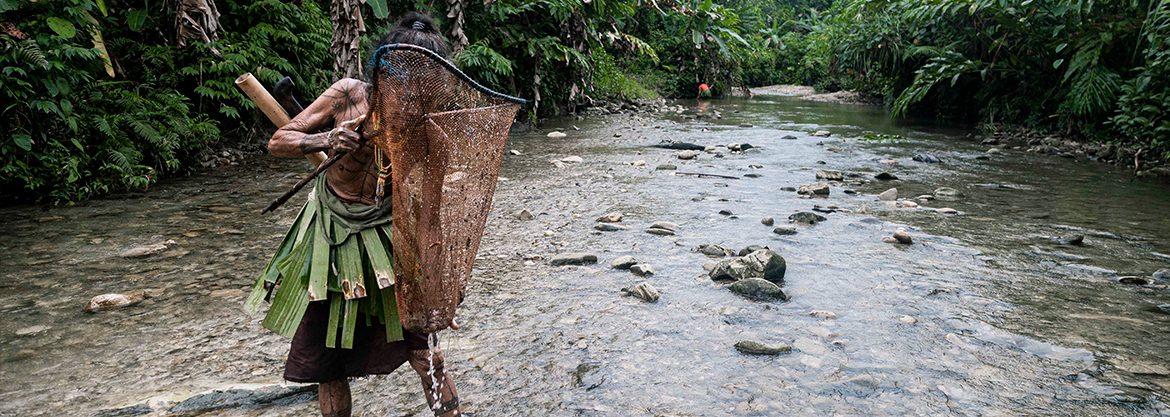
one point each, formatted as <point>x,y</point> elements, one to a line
<point>704,90</point>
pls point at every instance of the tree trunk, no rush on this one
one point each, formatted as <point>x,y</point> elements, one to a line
<point>455,13</point>
<point>348,28</point>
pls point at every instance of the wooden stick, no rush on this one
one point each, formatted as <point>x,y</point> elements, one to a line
<point>301,184</point>
<point>699,174</point>
<point>259,95</point>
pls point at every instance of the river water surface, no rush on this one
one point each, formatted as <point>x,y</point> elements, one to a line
<point>1008,320</point>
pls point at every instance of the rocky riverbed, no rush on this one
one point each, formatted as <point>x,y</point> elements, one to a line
<point>594,292</point>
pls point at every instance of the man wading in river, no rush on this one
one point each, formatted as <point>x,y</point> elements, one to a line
<point>323,244</point>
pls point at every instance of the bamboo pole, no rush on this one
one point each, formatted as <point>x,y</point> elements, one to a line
<point>259,95</point>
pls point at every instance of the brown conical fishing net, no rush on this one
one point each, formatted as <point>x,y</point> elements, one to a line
<point>444,135</point>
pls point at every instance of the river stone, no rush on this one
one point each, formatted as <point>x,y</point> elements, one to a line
<point>749,249</point>
<point>885,176</point>
<point>902,236</point>
<point>814,189</point>
<point>514,152</point>
<point>665,225</point>
<point>764,263</point>
<point>909,204</point>
<point>788,137</point>
<point>725,212</point>
<point>823,314</point>
<point>784,230</point>
<point>710,265</point>
<point>555,134</point>
<point>927,158</point>
<point>1161,274</point>
<point>830,175</point>
<point>623,262</point>
<point>947,210</point>
<point>660,232</point>
<point>606,227</point>
<point>752,175</point>
<point>1074,240</point>
<point>573,258</point>
<point>687,155</point>
<point>759,348</point>
<point>888,195</point>
<point>757,288</point>
<point>666,167</point>
<point>1131,280</point>
<point>113,301</point>
<point>610,218</point>
<point>642,270</point>
<point>767,221</point>
<point>889,239</point>
<point>239,398</point>
<point>147,250</point>
<point>1165,308</point>
<point>713,250</point>
<point>643,290</point>
<point>131,411</point>
<point>822,133</point>
<point>805,217</point>
<point>525,215</point>
<point>908,320</point>
<point>572,159</point>
<point>948,192</point>
<point>638,163</point>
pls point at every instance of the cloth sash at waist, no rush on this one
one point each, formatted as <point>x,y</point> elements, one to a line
<point>334,252</point>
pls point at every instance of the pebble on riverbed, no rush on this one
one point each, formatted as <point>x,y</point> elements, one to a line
<point>525,215</point>
<point>758,288</point>
<point>823,314</point>
<point>623,262</point>
<point>760,348</point>
<point>147,250</point>
<point>607,227</point>
<point>610,218</point>
<point>888,195</point>
<point>767,221</point>
<point>830,175</point>
<point>642,270</point>
<point>807,218</point>
<point>573,258</point>
<point>821,189</point>
<point>113,301</point>
<point>900,236</point>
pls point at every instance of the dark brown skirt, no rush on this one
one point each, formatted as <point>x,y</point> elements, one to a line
<point>310,361</point>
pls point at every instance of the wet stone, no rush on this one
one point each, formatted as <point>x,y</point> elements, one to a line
<point>888,195</point>
<point>788,137</point>
<point>767,221</point>
<point>1161,274</point>
<point>784,230</point>
<point>660,232</point>
<point>885,176</point>
<point>809,346</point>
<point>31,330</point>
<point>666,167</point>
<point>623,262</point>
<point>902,236</point>
<point>642,270</point>
<point>725,212</point>
<point>684,155</point>
<point>822,133</point>
<point>789,189</point>
<point>765,264</point>
<point>713,250</point>
<point>823,314</point>
<point>610,218</point>
<point>927,158</point>
<point>607,227</point>
<point>240,398</point>
<point>556,134</point>
<point>665,225</point>
<point>572,159</point>
<point>1131,280</point>
<point>131,411</point>
<point>644,291</point>
<point>760,348</point>
<point>1072,240</point>
<point>147,250</point>
<point>114,301</point>
<point>947,210</point>
<point>749,249</point>
<point>805,217</point>
<point>830,175</point>
<point>758,288</point>
<point>814,189</point>
<point>948,192</point>
<point>907,320</point>
<point>573,258</point>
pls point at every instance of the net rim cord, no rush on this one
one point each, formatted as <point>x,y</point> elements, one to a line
<point>378,54</point>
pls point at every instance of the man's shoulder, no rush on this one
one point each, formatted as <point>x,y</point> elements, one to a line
<point>351,86</point>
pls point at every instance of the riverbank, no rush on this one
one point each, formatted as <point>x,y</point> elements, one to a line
<point>986,311</point>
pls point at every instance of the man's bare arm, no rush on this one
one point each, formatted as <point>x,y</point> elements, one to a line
<point>296,138</point>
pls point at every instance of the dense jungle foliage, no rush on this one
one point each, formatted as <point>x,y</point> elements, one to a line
<point>100,96</point>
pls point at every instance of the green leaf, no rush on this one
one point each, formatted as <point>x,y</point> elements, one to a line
<point>23,141</point>
<point>1061,47</point>
<point>379,7</point>
<point>697,38</point>
<point>63,27</point>
<point>9,5</point>
<point>136,19</point>
<point>78,145</point>
<point>1056,64</point>
<point>101,4</point>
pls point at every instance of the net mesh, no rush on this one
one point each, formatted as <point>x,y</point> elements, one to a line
<point>444,136</point>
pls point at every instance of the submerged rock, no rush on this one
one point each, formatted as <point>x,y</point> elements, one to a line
<point>147,250</point>
<point>573,258</point>
<point>758,288</point>
<point>760,348</point>
<point>767,221</point>
<point>679,146</point>
<point>688,155</point>
<point>623,262</point>
<point>805,217</point>
<point>660,232</point>
<point>573,159</point>
<point>1073,240</point>
<point>644,291</point>
<point>948,192</point>
<point>888,195</point>
<point>927,158</point>
<point>885,176</point>
<point>665,225</point>
<point>713,250</point>
<point>556,134</point>
<point>1130,280</point>
<point>1161,274</point>
<point>239,398</point>
<point>607,227</point>
<point>822,133</point>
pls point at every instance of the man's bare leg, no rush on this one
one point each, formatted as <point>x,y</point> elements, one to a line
<point>448,400</point>
<point>334,398</point>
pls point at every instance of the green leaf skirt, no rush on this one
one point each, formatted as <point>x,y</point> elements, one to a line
<point>351,269</point>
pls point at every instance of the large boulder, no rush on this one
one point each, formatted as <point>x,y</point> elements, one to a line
<point>764,264</point>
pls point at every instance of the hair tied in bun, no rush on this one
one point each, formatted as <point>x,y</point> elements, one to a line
<point>419,25</point>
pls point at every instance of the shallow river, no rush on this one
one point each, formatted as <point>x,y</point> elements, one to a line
<point>1007,320</point>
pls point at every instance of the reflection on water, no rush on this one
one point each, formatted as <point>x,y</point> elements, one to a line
<point>986,313</point>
